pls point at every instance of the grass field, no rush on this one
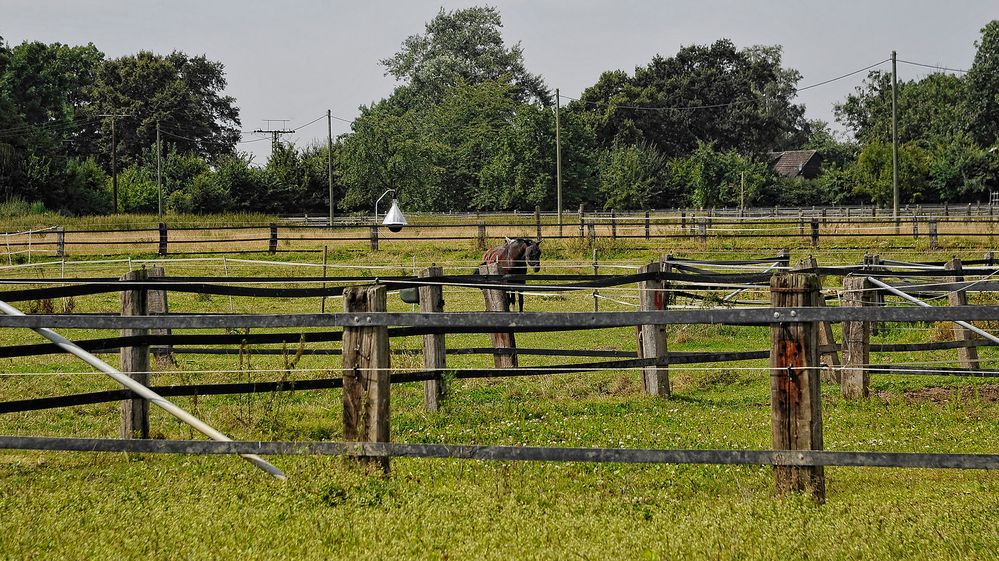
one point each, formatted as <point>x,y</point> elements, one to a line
<point>80,506</point>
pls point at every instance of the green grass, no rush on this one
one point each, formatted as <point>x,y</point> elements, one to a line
<point>80,505</point>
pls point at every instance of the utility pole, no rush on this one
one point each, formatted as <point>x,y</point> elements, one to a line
<point>114,159</point>
<point>159,173</point>
<point>329,158</point>
<point>558,159</point>
<point>742,191</point>
<point>275,133</point>
<point>894,140</point>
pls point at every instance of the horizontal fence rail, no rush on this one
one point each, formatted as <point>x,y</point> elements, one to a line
<point>519,453</point>
<point>455,322</point>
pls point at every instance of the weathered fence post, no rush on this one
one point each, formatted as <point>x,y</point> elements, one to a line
<point>480,238</point>
<point>581,220</point>
<point>683,220</point>
<point>815,232</point>
<point>134,360</point>
<point>932,223</point>
<point>162,250</point>
<point>648,225</point>
<point>157,305</point>
<point>592,231</point>
<point>273,242</point>
<point>855,377</point>
<point>373,236</point>
<point>613,225</point>
<point>537,221</point>
<point>795,401</point>
<point>60,241</point>
<point>827,341</point>
<point>366,373</point>
<point>434,354</point>
<point>652,338</point>
<point>702,229</point>
<point>967,356</point>
<point>915,226</point>
<point>504,343</point>
<point>801,222</point>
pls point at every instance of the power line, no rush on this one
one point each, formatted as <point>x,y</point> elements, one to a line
<point>847,75</point>
<point>944,68</point>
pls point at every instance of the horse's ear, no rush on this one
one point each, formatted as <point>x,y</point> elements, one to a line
<point>508,240</point>
<point>537,242</point>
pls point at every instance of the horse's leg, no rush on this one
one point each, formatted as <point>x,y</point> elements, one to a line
<point>520,300</point>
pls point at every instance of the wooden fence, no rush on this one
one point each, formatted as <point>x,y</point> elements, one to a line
<point>796,319</point>
<point>938,228</point>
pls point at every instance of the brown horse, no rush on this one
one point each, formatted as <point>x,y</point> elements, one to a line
<point>513,258</point>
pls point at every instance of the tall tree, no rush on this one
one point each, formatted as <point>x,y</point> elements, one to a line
<point>184,93</point>
<point>983,87</point>
<point>735,99</point>
<point>463,46</point>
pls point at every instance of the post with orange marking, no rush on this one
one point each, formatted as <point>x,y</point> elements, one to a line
<point>795,401</point>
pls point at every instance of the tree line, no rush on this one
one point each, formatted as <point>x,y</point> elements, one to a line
<point>468,127</point>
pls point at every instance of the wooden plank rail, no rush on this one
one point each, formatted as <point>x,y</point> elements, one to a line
<point>513,453</point>
<point>456,322</point>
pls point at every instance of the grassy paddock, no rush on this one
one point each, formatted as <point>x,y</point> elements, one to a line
<point>77,505</point>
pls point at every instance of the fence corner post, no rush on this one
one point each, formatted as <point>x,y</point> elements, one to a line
<point>134,360</point>
<point>366,363</point>
<point>162,250</point>
<point>434,353</point>
<point>856,340</point>
<point>652,338</point>
<point>795,400</point>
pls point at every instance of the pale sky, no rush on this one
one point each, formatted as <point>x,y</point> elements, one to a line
<point>294,59</point>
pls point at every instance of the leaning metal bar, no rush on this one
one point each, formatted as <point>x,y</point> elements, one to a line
<point>524,453</point>
<point>142,391</point>
<point>919,302</point>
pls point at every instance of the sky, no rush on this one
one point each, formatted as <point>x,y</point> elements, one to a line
<point>295,59</point>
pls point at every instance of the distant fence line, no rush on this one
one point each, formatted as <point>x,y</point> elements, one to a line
<point>801,226</point>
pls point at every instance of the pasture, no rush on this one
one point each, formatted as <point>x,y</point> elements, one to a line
<point>85,505</point>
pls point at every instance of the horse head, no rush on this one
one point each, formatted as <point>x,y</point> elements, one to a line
<point>533,254</point>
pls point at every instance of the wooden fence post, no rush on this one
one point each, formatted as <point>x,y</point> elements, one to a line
<point>60,241</point>
<point>504,343</point>
<point>537,221</point>
<point>613,225</point>
<point>366,363</point>
<point>480,238</point>
<point>373,236</point>
<point>795,401</point>
<point>581,220</point>
<point>162,250</point>
<point>434,354</point>
<point>856,340</point>
<point>652,338</point>
<point>815,232</point>
<point>648,225</point>
<point>683,220</point>
<point>134,361</point>
<point>702,229</point>
<point>592,231</point>
<point>273,241</point>
<point>967,356</point>
<point>827,341</point>
<point>157,304</point>
<point>932,223</point>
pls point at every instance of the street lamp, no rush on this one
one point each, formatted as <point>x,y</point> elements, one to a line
<point>394,219</point>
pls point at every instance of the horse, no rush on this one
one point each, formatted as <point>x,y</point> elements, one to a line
<point>513,258</point>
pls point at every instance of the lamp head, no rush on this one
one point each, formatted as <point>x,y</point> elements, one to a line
<point>394,219</point>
